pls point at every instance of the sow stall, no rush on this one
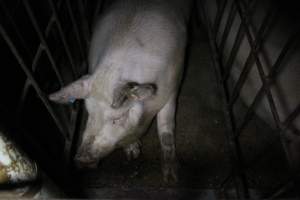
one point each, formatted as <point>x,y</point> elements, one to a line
<point>237,131</point>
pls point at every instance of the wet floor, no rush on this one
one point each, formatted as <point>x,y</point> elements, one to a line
<point>200,138</point>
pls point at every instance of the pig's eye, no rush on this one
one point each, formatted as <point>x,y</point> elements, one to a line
<point>117,120</point>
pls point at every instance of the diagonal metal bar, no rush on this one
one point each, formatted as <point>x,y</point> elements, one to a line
<point>291,117</point>
<point>84,23</point>
<point>63,38</point>
<point>270,98</point>
<point>255,47</point>
<point>43,40</point>
<point>15,28</point>
<point>230,19</point>
<point>293,39</point>
<point>220,13</point>
<point>34,83</point>
<point>76,30</point>
<point>240,179</point>
<point>35,60</point>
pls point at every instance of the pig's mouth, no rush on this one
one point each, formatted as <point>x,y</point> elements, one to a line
<point>85,161</point>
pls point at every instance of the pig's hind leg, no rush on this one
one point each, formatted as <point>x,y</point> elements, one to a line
<point>166,126</point>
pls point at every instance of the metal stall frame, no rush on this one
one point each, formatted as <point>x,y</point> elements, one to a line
<point>68,127</point>
<point>256,39</point>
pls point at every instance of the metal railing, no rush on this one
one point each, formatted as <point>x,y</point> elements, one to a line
<point>77,15</point>
<point>243,10</point>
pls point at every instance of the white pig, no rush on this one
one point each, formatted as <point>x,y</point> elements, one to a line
<point>135,67</point>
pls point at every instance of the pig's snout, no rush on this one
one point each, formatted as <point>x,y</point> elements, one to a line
<point>85,160</point>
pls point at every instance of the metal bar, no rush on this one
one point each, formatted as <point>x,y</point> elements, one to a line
<point>43,40</point>
<point>35,60</point>
<point>11,21</point>
<point>273,73</point>
<point>258,64</point>
<point>291,117</point>
<point>220,13</point>
<point>63,38</point>
<point>235,151</point>
<point>35,85</point>
<point>85,26</point>
<point>76,30</point>
<point>99,7</point>
<point>270,98</point>
<point>231,16</point>
<point>260,37</point>
<point>255,47</point>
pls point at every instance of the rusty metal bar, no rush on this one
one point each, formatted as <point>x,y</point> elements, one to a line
<point>43,40</point>
<point>34,83</point>
<point>63,38</point>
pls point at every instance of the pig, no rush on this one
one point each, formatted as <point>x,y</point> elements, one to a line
<point>136,61</point>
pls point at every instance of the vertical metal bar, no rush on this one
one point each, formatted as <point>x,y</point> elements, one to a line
<point>43,40</point>
<point>35,85</point>
<point>63,38</point>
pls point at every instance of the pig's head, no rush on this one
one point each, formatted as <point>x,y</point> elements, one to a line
<point>115,113</point>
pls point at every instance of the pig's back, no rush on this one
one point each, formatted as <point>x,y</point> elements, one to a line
<point>153,26</point>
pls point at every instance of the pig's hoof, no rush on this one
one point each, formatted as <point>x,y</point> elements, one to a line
<point>133,150</point>
<point>170,171</point>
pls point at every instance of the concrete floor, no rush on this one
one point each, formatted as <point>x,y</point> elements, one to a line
<point>201,144</point>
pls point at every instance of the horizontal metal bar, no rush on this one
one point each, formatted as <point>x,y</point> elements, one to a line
<point>35,85</point>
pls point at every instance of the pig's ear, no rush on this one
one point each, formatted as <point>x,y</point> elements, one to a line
<point>132,91</point>
<point>79,89</point>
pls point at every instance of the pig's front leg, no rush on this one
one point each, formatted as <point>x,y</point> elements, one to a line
<point>166,126</point>
<point>133,150</point>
